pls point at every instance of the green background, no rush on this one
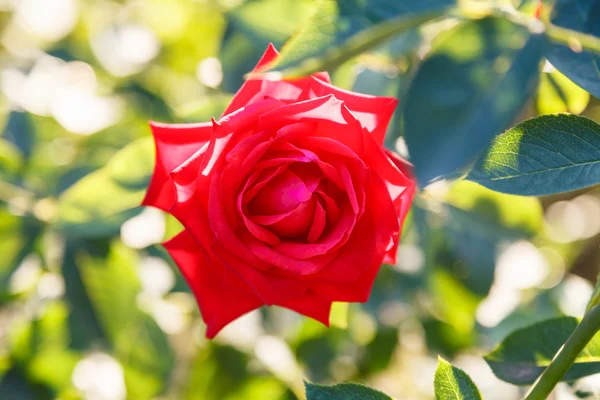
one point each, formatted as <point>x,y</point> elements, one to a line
<point>92,307</point>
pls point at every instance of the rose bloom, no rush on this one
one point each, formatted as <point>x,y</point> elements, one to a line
<point>289,199</point>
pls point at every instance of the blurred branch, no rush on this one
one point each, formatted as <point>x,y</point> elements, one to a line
<point>16,196</point>
<point>8,191</point>
<point>577,41</point>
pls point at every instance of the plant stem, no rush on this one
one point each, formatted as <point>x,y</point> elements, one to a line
<point>581,336</point>
<point>575,40</point>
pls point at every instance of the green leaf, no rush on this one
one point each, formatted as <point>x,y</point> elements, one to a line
<point>98,204</point>
<point>556,94</point>
<point>479,222</point>
<point>525,353</point>
<point>40,346</point>
<point>216,372</point>
<point>580,67</point>
<point>251,27</point>
<point>544,155</point>
<point>19,130</point>
<point>339,315</point>
<point>110,280</point>
<point>343,391</point>
<point>453,383</point>
<point>455,303</point>
<point>341,29</point>
<point>11,159</point>
<point>14,385</point>
<point>19,237</point>
<point>513,213</point>
<point>470,88</point>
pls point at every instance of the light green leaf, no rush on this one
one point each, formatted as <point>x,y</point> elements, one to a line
<point>557,94</point>
<point>339,315</point>
<point>544,155</point>
<point>11,159</point>
<point>495,209</point>
<point>110,280</point>
<point>343,391</point>
<point>339,30</point>
<point>453,383</point>
<point>99,203</point>
<point>524,354</point>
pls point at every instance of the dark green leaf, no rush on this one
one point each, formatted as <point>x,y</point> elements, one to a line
<point>453,383</point>
<point>20,132</point>
<point>15,386</point>
<point>470,88</point>
<point>525,353</point>
<point>83,321</point>
<point>580,67</point>
<point>479,223</point>
<point>343,391</point>
<point>544,155</point>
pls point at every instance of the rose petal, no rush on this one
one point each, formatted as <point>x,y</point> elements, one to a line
<point>402,202</point>
<point>374,113</point>
<point>236,256</point>
<point>311,305</point>
<point>257,89</point>
<point>297,223</point>
<point>221,299</point>
<point>326,108</point>
<point>334,239</point>
<point>283,193</point>
<point>292,266</point>
<point>258,180</point>
<point>174,143</point>
<point>358,290</point>
<point>331,208</point>
<point>318,223</point>
<point>270,287</point>
<point>370,237</point>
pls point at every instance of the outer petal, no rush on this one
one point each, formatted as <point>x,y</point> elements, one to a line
<point>311,305</point>
<point>221,296</point>
<point>174,143</point>
<point>402,202</point>
<point>351,276</point>
<point>374,113</point>
<point>357,291</point>
<point>257,89</point>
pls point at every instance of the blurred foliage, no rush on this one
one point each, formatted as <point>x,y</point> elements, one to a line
<point>91,307</point>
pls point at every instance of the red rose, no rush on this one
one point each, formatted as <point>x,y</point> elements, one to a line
<point>289,199</point>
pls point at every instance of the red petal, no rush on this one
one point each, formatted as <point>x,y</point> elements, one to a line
<point>220,295</point>
<point>374,113</point>
<point>310,305</point>
<point>175,143</point>
<point>318,225</point>
<point>358,290</point>
<point>364,251</point>
<point>402,203</point>
<point>257,89</point>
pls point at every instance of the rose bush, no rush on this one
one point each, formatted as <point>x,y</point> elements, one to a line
<point>289,199</point>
